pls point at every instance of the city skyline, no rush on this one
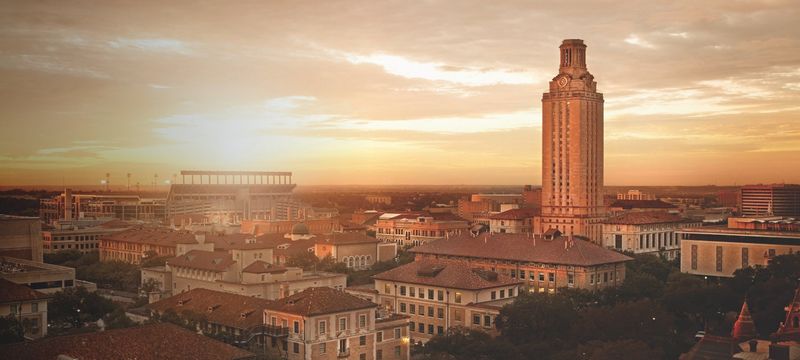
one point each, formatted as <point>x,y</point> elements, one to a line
<point>342,93</point>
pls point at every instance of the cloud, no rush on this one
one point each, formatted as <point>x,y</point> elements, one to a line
<point>633,39</point>
<point>152,45</point>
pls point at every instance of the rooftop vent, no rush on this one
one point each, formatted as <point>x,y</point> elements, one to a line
<point>430,271</point>
<point>485,274</point>
<point>184,301</point>
<point>213,307</point>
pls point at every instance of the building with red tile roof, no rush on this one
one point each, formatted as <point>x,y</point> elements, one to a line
<point>438,295</point>
<point>323,323</point>
<point>148,342</point>
<point>415,228</point>
<point>544,262</point>
<point>26,305</point>
<point>646,232</point>
<point>519,220</point>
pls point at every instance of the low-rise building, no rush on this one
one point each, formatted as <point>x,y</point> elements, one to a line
<point>650,232</point>
<point>135,244</point>
<point>744,242</point>
<point>357,250</point>
<point>635,195</point>
<point>620,206</point>
<point>236,319</point>
<point>544,262</point>
<point>416,229</point>
<point>70,235</point>
<point>147,342</point>
<point>438,295</point>
<point>28,306</point>
<point>46,278</point>
<point>324,323</point>
<point>21,237</point>
<point>514,221</point>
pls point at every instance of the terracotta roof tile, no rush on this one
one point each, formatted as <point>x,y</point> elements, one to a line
<point>13,292</point>
<point>262,267</point>
<point>148,342</point>
<point>346,238</point>
<point>642,204</point>
<point>645,217</point>
<point>451,274</point>
<point>237,311</point>
<point>522,247</point>
<point>319,301</point>
<point>204,260</point>
<point>517,214</point>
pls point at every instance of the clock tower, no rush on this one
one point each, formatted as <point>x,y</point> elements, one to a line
<point>572,148</point>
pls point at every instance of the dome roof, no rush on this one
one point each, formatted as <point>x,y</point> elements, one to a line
<point>300,229</point>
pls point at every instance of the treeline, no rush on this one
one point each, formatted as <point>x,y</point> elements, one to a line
<point>653,315</point>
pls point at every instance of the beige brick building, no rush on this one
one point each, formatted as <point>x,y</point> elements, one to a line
<point>572,148</point>
<point>28,306</point>
<point>651,232</point>
<point>323,323</point>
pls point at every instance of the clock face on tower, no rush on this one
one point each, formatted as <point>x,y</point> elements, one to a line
<point>562,81</point>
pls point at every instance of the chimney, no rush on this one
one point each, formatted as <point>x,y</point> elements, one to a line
<point>753,345</point>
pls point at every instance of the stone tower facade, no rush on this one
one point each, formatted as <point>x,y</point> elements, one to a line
<point>572,148</point>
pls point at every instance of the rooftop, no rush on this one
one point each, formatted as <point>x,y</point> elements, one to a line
<point>237,311</point>
<point>451,274</point>
<point>262,267</point>
<point>147,342</point>
<point>205,260</point>
<point>525,248</point>
<point>346,238</point>
<point>516,214</point>
<point>645,217</point>
<point>153,236</point>
<point>641,204</point>
<point>319,301</point>
<point>13,292</point>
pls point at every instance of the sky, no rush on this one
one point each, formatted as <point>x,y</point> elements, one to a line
<point>392,92</point>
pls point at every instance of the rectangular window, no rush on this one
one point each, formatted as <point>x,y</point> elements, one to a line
<point>551,277</point>
<point>403,307</point>
<point>322,348</point>
<point>397,350</point>
<point>430,329</point>
<point>440,295</point>
<point>440,330</point>
<point>591,279</point>
<point>422,310</point>
<point>440,313</point>
<point>411,291</point>
<point>719,258</point>
<point>378,354</point>
<point>745,258</point>
<point>397,333</point>
<point>421,293</point>
<point>430,311</point>
<point>411,326</point>
<point>487,321</point>
<point>296,327</point>
<point>605,277</point>
<point>502,294</point>
<point>430,294</point>
<point>362,357</point>
<point>362,321</point>
<point>541,276</point>
<point>35,307</point>
<point>402,290</point>
<point>618,241</point>
<point>362,340</point>
<point>494,295</point>
<point>476,319</point>
<point>342,345</point>
<point>421,328</point>
<point>342,324</point>
<point>570,280</point>
<point>458,298</point>
<point>457,314</point>
<point>296,348</point>
<point>522,274</point>
<point>694,257</point>
<point>387,289</point>
<point>379,336</point>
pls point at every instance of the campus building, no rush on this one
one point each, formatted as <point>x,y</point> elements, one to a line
<point>415,229</point>
<point>651,232</point>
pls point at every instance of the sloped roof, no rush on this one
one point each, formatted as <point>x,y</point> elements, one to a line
<point>147,342</point>
<point>263,267</point>
<point>449,274</point>
<point>227,309</point>
<point>204,260</point>
<point>516,214</point>
<point>319,301</point>
<point>713,348</point>
<point>525,248</point>
<point>13,292</point>
<point>346,238</point>
<point>645,217</point>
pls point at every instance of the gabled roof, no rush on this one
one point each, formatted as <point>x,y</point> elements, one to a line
<point>516,214</point>
<point>147,342</point>
<point>204,260</point>
<point>448,274</point>
<point>346,238</point>
<point>13,292</point>
<point>319,301</point>
<point>524,248</point>
<point>237,311</point>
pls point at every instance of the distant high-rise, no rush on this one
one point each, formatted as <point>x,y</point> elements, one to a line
<point>572,148</point>
<point>772,199</point>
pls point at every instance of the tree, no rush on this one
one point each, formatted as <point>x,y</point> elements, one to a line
<point>118,320</point>
<point>464,343</point>
<point>11,330</point>
<point>306,260</point>
<point>618,349</point>
<point>535,318</point>
<point>77,306</point>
